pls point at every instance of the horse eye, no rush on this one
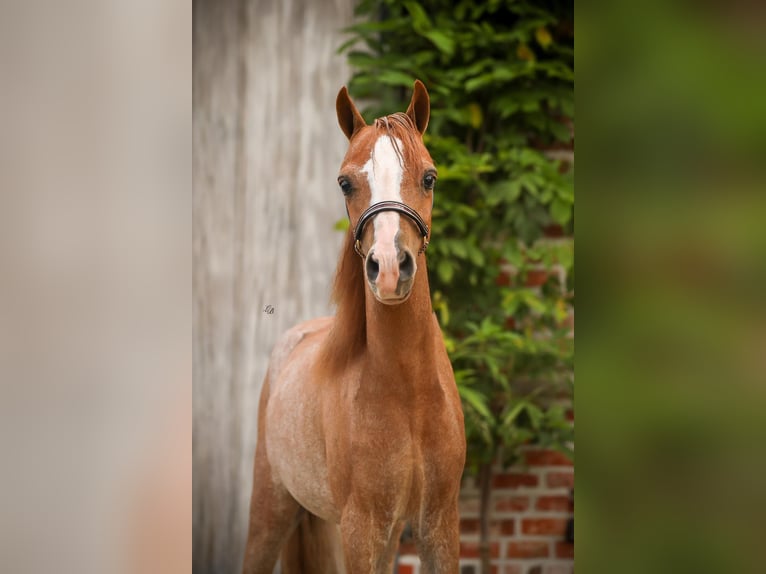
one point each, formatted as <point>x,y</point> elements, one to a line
<point>345,186</point>
<point>429,181</point>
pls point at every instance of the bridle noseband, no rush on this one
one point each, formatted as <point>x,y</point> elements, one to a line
<point>380,207</point>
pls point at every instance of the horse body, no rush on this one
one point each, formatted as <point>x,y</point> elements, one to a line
<point>295,441</point>
<point>360,424</point>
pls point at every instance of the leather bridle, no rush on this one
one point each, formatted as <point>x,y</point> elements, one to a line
<point>380,207</point>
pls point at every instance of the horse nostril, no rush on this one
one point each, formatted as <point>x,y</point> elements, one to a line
<point>406,267</point>
<point>372,268</point>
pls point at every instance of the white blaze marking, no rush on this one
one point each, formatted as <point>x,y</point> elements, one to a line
<point>384,174</point>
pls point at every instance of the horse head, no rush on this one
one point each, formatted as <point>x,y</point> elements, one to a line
<point>387,178</point>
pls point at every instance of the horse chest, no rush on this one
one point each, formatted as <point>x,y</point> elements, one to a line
<point>396,455</point>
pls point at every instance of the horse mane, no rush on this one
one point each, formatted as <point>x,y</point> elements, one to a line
<point>347,337</point>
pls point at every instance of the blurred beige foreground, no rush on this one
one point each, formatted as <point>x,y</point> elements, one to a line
<point>95,389</point>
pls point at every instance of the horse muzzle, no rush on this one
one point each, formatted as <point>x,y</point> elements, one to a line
<point>390,277</point>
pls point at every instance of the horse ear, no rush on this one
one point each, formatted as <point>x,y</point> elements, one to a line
<point>419,109</point>
<point>349,118</point>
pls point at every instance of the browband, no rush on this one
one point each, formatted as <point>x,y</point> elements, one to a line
<point>382,206</point>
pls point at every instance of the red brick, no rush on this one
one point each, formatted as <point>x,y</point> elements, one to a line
<point>546,458</point>
<point>514,480</point>
<point>557,479</point>
<point>544,526</point>
<point>507,527</point>
<point>504,279</point>
<point>512,504</point>
<point>511,569</point>
<point>408,548</point>
<point>471,550</point>
<point>496,527</point>
<point>469,526</point>
<point>553,230</point>
<point>536,277</point>
<point>563,503</point>
<point>528,549</point>
<point>564,550</point>
<point>406,569</point>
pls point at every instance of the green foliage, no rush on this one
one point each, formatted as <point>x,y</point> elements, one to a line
<point>500,76</point>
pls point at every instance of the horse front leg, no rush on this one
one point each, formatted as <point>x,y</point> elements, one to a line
<point>273,515</point>
<point>273,511</point>
<point>370,541</point>
<point>438,541</point>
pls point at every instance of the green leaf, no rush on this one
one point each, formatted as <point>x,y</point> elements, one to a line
<point>543,37</point>
<point>445,270</point>
<point>475,255</point>
<point>506,191</point>
<point>441,306</point>
<point>513,414</point>
<point>459,249</point>
<point>564,254</point>
<point>561,211</point>
<point>561,132</point>
<point>395,78</point>
<point>375,26</point>
<point>341,225</point>
<point>535,415</point>
<point>478,82</point>
<point>534,302</point>
<point>362,59</point>
<point>475,400</point>
<point>475,115</point>
<point>566,191</point>
<point>441,41</point>
<point>511,302</point>
<point>524,53</point>
<point>420,20</point>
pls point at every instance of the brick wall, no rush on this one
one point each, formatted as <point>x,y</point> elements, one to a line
<point>530,507</point>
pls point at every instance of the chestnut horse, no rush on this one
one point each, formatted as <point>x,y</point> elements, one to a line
<point>360,428</point>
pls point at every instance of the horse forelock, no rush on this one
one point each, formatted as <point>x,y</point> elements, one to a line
<point>404,136</point>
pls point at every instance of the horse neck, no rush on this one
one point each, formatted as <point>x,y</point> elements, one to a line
<point>400,338</point>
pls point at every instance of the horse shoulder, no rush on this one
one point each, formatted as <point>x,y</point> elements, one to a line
<point>291,339</point>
